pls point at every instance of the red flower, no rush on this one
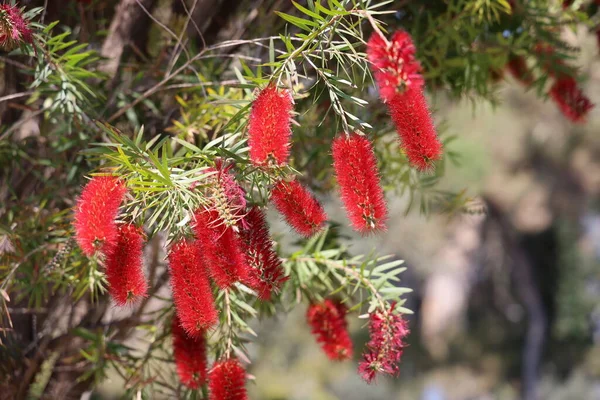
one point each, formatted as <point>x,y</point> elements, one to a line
<point>518,68</point>
<point>329,326</point>
<point>266,271</point>
<point>571,100</point>
<point>226,381</point>
<point>566,4</point>
<point>269,130</point>
<point>124,266</point>
<point>385,346</point>
<point>221,248</point>
<point>356,171</point>
<point>394,63</point>
<point>96,211</point>
<point>413,122</point>
<point>190,356</point>
<point>14,29</point>
<point>226,194</point>
<point>299,207</point>
<point>192,294</point>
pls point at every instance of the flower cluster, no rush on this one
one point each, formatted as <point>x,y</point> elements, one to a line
<point>517,66</point>
<point>299,207</point>
<point>226,381</point>
<point>357,175</point>
<point>269,130</point>
<point>227,196</point>
<point>124,266</point>
<point>397,73</point>
<point>192,293</point>
<point>14,29</point>
<point>571,100</point>
<point>190,356</point>
<point>266,274</point>
<point>328,324</point>
<point>386,343</point>
<point>96,211</point>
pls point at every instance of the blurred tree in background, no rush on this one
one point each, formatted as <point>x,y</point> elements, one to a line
<point>153,102</point>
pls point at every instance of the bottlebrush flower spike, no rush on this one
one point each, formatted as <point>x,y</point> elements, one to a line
<point>394,64</point>
<point>329,326</point>
<point>192,293</point>
<point>299,207</point>
<point>411,116</point>
<point>518,68</point>
<point>14,29</point>
<point>571,100</point>
<point>124,266</point>
<point>95,213</point>
<point>386,344</point>
<point>227,195</point>
<point>269,130</point>
<point>266,274</point>
<point>221,248</point>
<point>226,381</point>
<point>356,172</point>
<point>190,356</point>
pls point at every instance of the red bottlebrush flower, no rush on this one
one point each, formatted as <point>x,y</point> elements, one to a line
<point>14,29</point>
<point>299,207</point>
<point>226,381</point>
<point>124,266</point>
<point>190,356</point>
<point>394,64</point>
<point>571,100</point>
<point>386,344</point>
<point>95,213</point>
<point>329,326</point>
<point>356,171</point>
<point>415,127</point>
<point>517,66</point>
<point>227,196</point>
<point>221,248</point>
<point>192,294</point>
<point>269,130</point>
<point>566,4</point>
<point>266,273</point>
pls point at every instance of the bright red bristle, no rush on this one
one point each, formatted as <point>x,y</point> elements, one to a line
<point>387,332</point>
<point>221,248</point>
<point>519,70</point>
<point>571,100</point>
<point>14,29</point>
<point>190,356</point>
<point>358,177</point>
<point>414,125</point>
<point>227,380</point>
<point>95,213</point>
<point>266,273</point>
<point>299,207</point>
<point>394,64</point>
<point>328,324</point>
<point>124,266</point>
<point>269,131</point>
<point>192,293</point>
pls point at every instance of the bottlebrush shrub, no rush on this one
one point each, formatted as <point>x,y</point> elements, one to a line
<point>386,343</point>
<point>124,266</point>
<point>397,73</point>
<point>328,324</point>
<point>192,293</point>
<point>299,207</point>
<point>221,248</point>
<point>571,100</point>
<point>190,356</point>
<point>266,274</point>
<point>95,213</point>
<point>357,175</point>
<point>269,130</point>
<point>14,29</point>
<point>226,381</point>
